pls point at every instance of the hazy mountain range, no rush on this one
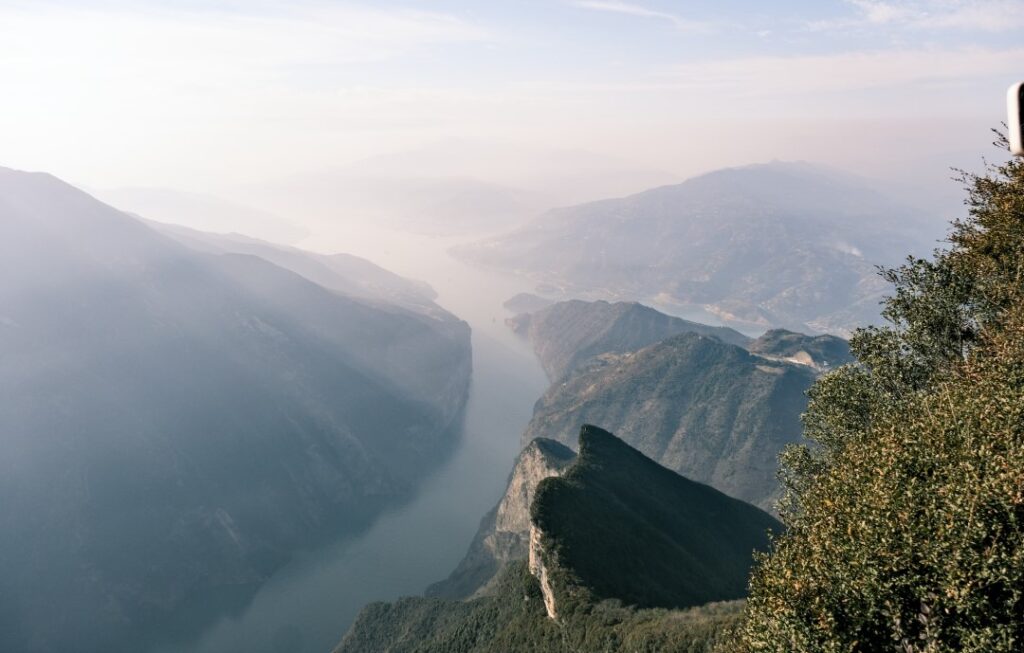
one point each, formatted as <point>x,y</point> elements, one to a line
<point>455,187</point>
<point>788,245</point>
<point>178,421</point>
<point>344,273</point>
<point>202,211</point>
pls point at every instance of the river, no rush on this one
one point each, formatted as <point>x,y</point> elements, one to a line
<point>308,605</point>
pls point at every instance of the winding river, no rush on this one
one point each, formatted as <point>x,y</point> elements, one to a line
<point>308,605</point>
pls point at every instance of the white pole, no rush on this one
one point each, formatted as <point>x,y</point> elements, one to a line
<point>1015,117</point>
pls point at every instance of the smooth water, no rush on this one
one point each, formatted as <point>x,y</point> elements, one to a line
<point>308,605</point>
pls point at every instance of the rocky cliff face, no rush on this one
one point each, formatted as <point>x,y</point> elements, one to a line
<point>537,567</point>
<point>504,534</point>
<point>569,333</point>
<point>710,411</point>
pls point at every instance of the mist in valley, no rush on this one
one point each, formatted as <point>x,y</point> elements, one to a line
<point>259,366</point>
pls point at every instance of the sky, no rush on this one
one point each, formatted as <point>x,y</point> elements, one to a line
<point>214,95</point>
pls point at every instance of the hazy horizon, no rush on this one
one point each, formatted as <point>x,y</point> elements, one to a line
<point>227,97</point>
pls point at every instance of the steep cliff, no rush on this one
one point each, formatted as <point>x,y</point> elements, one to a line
<point>505,530</point>
<point>618,549</point>
<point>618,525</point>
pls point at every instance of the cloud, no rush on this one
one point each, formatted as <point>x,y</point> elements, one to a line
<point>261,35</point>
<point>965,15</point>
<point>630,9</point>
<point>849,71</point>
<point>882,84</point>
<point>110,81</point>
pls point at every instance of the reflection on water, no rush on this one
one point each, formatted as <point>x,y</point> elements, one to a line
<point>309,604</point>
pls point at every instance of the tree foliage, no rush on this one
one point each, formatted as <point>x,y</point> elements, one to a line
<point>905,517</point>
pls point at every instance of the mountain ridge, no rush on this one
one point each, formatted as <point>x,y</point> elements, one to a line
<point>567,334</point>
<point>662,528</point>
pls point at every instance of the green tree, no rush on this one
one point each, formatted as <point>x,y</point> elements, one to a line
<point>905,517</point>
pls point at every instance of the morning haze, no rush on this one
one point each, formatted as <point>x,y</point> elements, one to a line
<point>511,310</point>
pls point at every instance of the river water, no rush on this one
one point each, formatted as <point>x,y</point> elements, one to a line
<point>308,605</point>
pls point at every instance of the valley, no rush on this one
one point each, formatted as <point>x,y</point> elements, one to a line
<point>309,604</point>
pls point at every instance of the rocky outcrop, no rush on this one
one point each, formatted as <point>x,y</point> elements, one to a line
<point>540,571</point>
<point>504,534</point>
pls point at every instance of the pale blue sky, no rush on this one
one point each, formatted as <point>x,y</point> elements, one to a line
<point>123,93</point>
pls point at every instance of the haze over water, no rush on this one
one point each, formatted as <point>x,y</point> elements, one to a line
<point>310,603</point>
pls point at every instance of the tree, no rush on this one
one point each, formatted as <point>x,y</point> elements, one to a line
<point>905,517</point>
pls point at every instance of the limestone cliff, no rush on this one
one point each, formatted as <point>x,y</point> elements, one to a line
<point>540,571</point>
<point>504,533</point>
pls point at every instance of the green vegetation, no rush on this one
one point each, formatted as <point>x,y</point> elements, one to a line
<point>618,525</point>
<point>513,620</point>
<point>906,521</point>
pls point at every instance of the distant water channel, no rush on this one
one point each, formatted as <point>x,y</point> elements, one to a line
<point>309,604</point>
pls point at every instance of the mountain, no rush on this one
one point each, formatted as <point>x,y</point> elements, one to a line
<point>455,187</point>
<point>620,550</point>
<point>820,352</point>
<point>708,410</point>
<point>525,302</point>
<point>343,273</point>
<point>569,333</point>
<point>177,424</point>
<point>201,211</point>
<point>617,525</point>
<point>775,245</point>
<point>504,534</point>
